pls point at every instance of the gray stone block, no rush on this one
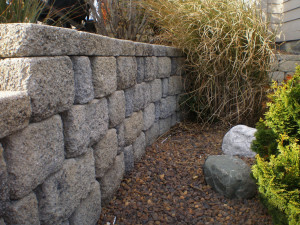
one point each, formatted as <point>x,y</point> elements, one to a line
<point>133,127</point>
<point>164,67</point>
<point>88,212</point>
<point>174,52</point>
<point>277,76</point>
<point>84,125</point>
<point>126,72</point>
<point>117,108</point>
<point>105,152</point>
<point>104,71</point>
<point>140,69</point>
<point>229,176</point>
<point>149,116</point>
<point>62,192</point>
<point>112,179</point>
<point>84,90</point>
<point>40,40</point>
<point>4,191</point>
<point>165,125</point>
<point>128,158</point>
<point>15,111</point>
<point>174,120</point>
<point>287,66</point>
<point>168,106</point>
<point>159,50</point>
<point>175,85</point>
<point>157,110</point>
<point>142,96</point>
<point>32,154</point>
<point>139,147</point>
<point>139,97</point>
<point>165,87</point>
<point>143,49</point>
<point>23,211</point>
<point>129,97</point>
<point>151,68</point>
<point>126,47</point>
<point>152,134</point>
<point>177,66</point>
<point>120,133</point>
<point>65,222</point>
<point>49,82</point>
<point>156,90</point>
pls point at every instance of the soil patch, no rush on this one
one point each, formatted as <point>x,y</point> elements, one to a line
<point>167,186</point>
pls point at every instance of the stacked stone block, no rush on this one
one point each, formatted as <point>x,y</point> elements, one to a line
<point>283,65</point>
<point>77,111</point>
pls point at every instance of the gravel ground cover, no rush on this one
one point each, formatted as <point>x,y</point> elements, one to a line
<point>167,186</point>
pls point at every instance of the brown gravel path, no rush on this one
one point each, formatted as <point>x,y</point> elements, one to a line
<point>167,186</point>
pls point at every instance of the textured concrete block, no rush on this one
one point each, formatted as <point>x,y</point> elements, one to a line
<point>159,50</point>
<point>120,133</point>
<point>126,72</point>
<point>139,147</point>
<point>133,127</point>
<point>277,76</point>
<point>165,125</point>
<point>128,158</point>
<point>151,68</point>
<point>143,49</point>
<point>174,119</point>
<point>104,75</point>
<point>84,90</point>
<point>164,67</point>
<point>140,69</point>
<point>129,97</point>
<point>4,191</point>
<point>287,66</point>
<point>105,152</point>
<point>177,66</point>
<point>126,47</point>
<point>15,111</point>
<point>156,90</point>
<point>152,134</point>
<point>62,192</point>
<point>111,181</point>
<point>174,52</point>
<point>157,110</point>
<point>49,82</point>
<point>175,85</point>
<point>117,108</point>
<point>84,125</point>
<point>88,212</point>
<point>149,116</point>
<point>142,96</point>
<point>168,106</point>
<point>39,40</point>
<point>23,211</point>
<point>32,154</point>
<point>165,87</point>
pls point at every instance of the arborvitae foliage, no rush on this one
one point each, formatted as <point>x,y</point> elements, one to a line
<point>279,182</point>
<point>265,143</point>
<point>278,177</point>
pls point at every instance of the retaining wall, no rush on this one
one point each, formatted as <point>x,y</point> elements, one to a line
<point>76,111</point>
<point>283,65</point>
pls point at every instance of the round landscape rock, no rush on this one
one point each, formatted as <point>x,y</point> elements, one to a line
<point>237,141</point>
<point>229,176</point>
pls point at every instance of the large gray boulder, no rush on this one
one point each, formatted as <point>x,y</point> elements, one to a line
<point>237,141</point>
<point>230,176</point>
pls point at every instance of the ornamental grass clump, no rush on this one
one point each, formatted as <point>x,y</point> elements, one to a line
<point>20,11</point>
<point>278,173</point>
<point>228,46</point>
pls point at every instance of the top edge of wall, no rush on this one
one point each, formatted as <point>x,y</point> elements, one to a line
<point>28,39</point>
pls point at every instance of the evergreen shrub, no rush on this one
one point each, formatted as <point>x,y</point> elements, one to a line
<point>278,175</point>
